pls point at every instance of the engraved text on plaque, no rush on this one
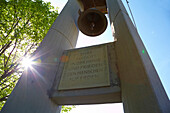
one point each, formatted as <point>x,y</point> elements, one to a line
<point>85,68</point>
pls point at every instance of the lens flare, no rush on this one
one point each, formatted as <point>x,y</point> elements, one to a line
<point>143,51</point>
<point>27,62</point>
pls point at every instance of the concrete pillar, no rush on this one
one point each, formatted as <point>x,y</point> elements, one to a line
<point>31,92</point>
<point>141,88</point>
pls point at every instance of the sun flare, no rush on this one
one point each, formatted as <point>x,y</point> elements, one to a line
<point>27,62</point>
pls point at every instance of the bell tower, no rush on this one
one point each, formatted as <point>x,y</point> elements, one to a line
<point>107,73</point>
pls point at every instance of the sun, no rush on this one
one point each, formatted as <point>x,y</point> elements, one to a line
<point>27,62</point>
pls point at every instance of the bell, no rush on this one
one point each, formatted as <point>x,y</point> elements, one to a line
<point>92,22</point>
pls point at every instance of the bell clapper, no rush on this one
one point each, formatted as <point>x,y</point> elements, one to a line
<point>92,26</point>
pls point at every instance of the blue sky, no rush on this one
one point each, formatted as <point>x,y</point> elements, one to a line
<point>153,22</point>
<point>152,18</point>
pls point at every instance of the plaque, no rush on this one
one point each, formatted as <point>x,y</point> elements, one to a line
<point>85,68</point>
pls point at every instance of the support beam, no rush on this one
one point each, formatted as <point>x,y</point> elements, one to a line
<point>31,92</point>
<point>142,91</point>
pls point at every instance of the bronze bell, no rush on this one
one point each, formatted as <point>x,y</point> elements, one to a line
<point>92,22</point>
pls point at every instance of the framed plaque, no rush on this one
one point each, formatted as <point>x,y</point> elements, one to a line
<point>85,68</point>
<point>87,76</point>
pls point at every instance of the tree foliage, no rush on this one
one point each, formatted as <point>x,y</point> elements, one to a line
<point>66,109</point>
<point>23,25</point>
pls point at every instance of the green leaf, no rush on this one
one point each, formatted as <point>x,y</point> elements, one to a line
<point>23,23</point>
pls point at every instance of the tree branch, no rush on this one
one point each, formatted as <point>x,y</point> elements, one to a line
<point>15,52</point>
<point>4,98</point>
<point>11,52</point>
<point>3,82</point>
<point>3,47</point>
<point>28,20</point>
<point>4,61</point>
<point>13,27</point>
<point>6,46</point>
<point>5,87</point>
<point>32,45</point>
<point>6,74</point>
<point>9,85</point>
